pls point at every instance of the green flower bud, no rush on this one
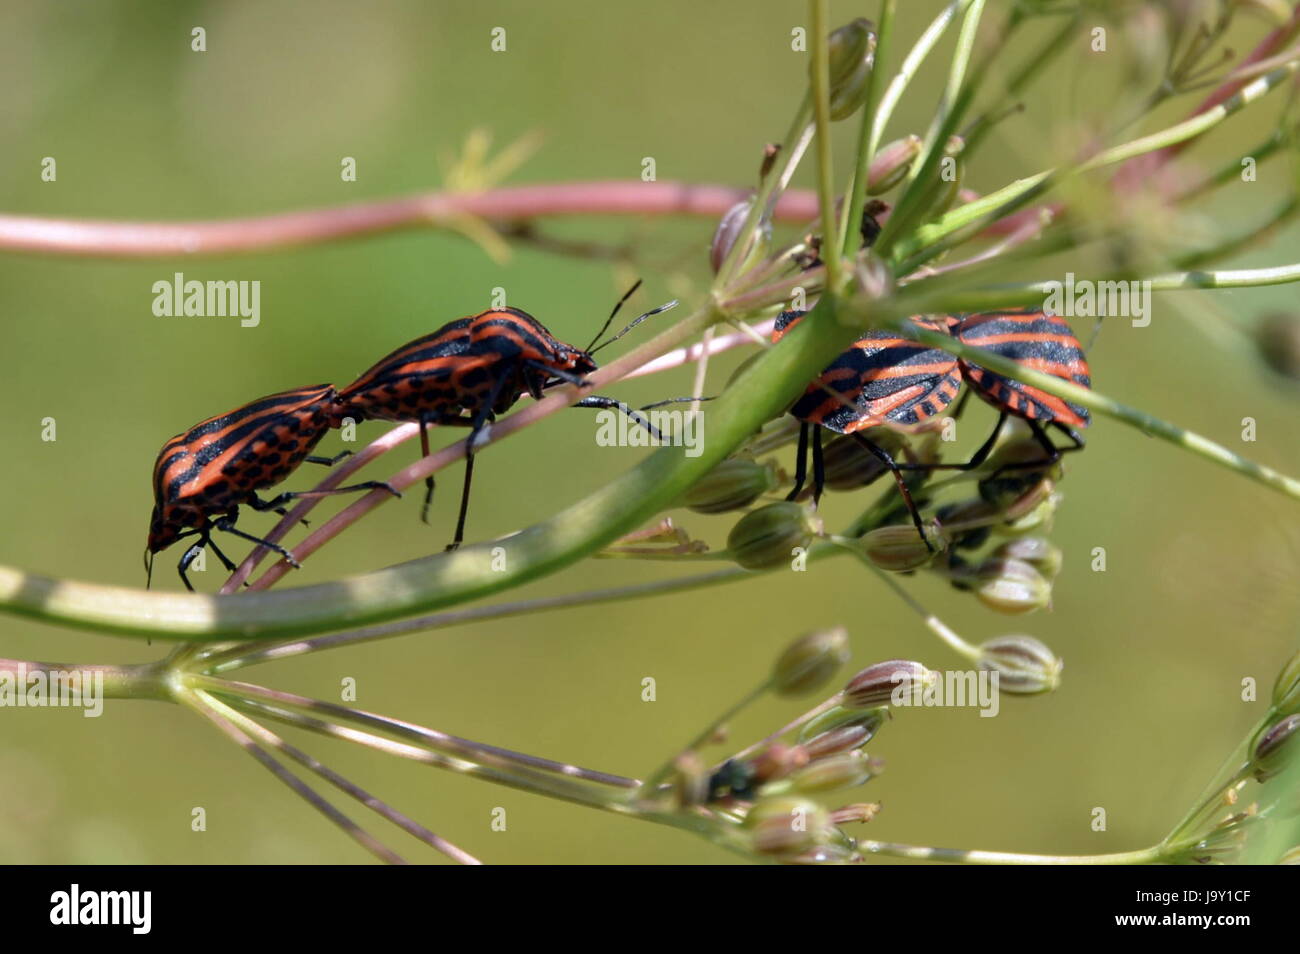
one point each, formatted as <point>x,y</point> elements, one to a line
<point>1273,746</point>
<point>733,485</point>
<point>1024,665</point>
<point>729,231</point>
<point>766,538</point>
<point>875,686</point>
<point>1010,586</point>
<point>849,465</point>
<point>810,662</point>
<point>891,163</point>
<point>1038,552</point>
<point>852,50</point>
<point>789,824</point>
<point>1286,690</point>
<point>898,549</point>
<point>848,770</point>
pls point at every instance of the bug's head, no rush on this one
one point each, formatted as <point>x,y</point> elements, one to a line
<point>162,532</point>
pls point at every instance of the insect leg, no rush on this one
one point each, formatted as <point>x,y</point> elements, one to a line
<point>227,524</point>
<point>884,457</point>
<point>800,461</point>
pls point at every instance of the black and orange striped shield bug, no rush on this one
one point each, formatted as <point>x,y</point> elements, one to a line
<point>884,379</point>
<point>469,371</point>
<point>203,476</point>
<point>1035,340</point>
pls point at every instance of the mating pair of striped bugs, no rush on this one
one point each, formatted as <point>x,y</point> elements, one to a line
<point>463,374</point>
<point>886,379</point>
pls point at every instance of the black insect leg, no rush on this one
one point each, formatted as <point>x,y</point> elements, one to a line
<point>327,461</point>
<point>819,466</point>
<point>482,418</point>
<point>227,524</point>
<point>978,458</point>
<point>800,461</point>
<point>884,457</point>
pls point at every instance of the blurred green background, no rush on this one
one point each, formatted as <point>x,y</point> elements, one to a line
<point>1200,590</point>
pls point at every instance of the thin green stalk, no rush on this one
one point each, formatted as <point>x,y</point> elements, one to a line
<point>821,93</point>
<point>1144,856</point>
<point>866,148</point>
<point>786,159</point>
<point>911,63</point>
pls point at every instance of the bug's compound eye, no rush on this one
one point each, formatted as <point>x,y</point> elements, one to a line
<point>161,533</point>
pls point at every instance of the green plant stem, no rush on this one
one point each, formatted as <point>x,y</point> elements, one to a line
<point>848,235</point>
<point>821,93</point>
<point>911,63</point>
<point>1143,856</point>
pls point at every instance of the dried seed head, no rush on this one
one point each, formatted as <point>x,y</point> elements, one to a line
<point>852,50</point>
<point>891,163</point>
<point>875,686</point>
<point>1025,666</point>
<point>898,548</point>
<point>810,662</point>
<point>1010,586</point>
<point>1273,747</point>
<point>766,538</point>
<point>788,824</point>
<point>733,485</point>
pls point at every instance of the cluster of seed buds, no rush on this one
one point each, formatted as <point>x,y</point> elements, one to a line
<point>772,790</point>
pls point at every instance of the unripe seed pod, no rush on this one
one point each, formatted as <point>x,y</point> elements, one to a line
<point>849,465</point>
<point>1286,690</point>
<point>1274,746</point>
<point>848,770</point>
<point>1010,586</point>
<point>784,825</point>
<point>1005,488</point>
<point>898,548</point>
<point>1038,552</point>
<point>810,662</point>
<point>766,538</point>
<point>729,231</point>
<point>838,717</point>
<point>875,686</point>
<point>891,163</point>
<point>852,50</point>
<point>1038,518</point>
<point>1025,666</point>
<point>733,485</point>
<point>852,730</point>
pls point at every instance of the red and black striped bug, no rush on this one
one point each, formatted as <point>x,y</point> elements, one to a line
<point>203,476</point>
<point>469,371</point>
<point>884,379</point>
<point>1037,341</point>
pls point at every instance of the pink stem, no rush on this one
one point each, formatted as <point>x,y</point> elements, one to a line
<point>107,239</point>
